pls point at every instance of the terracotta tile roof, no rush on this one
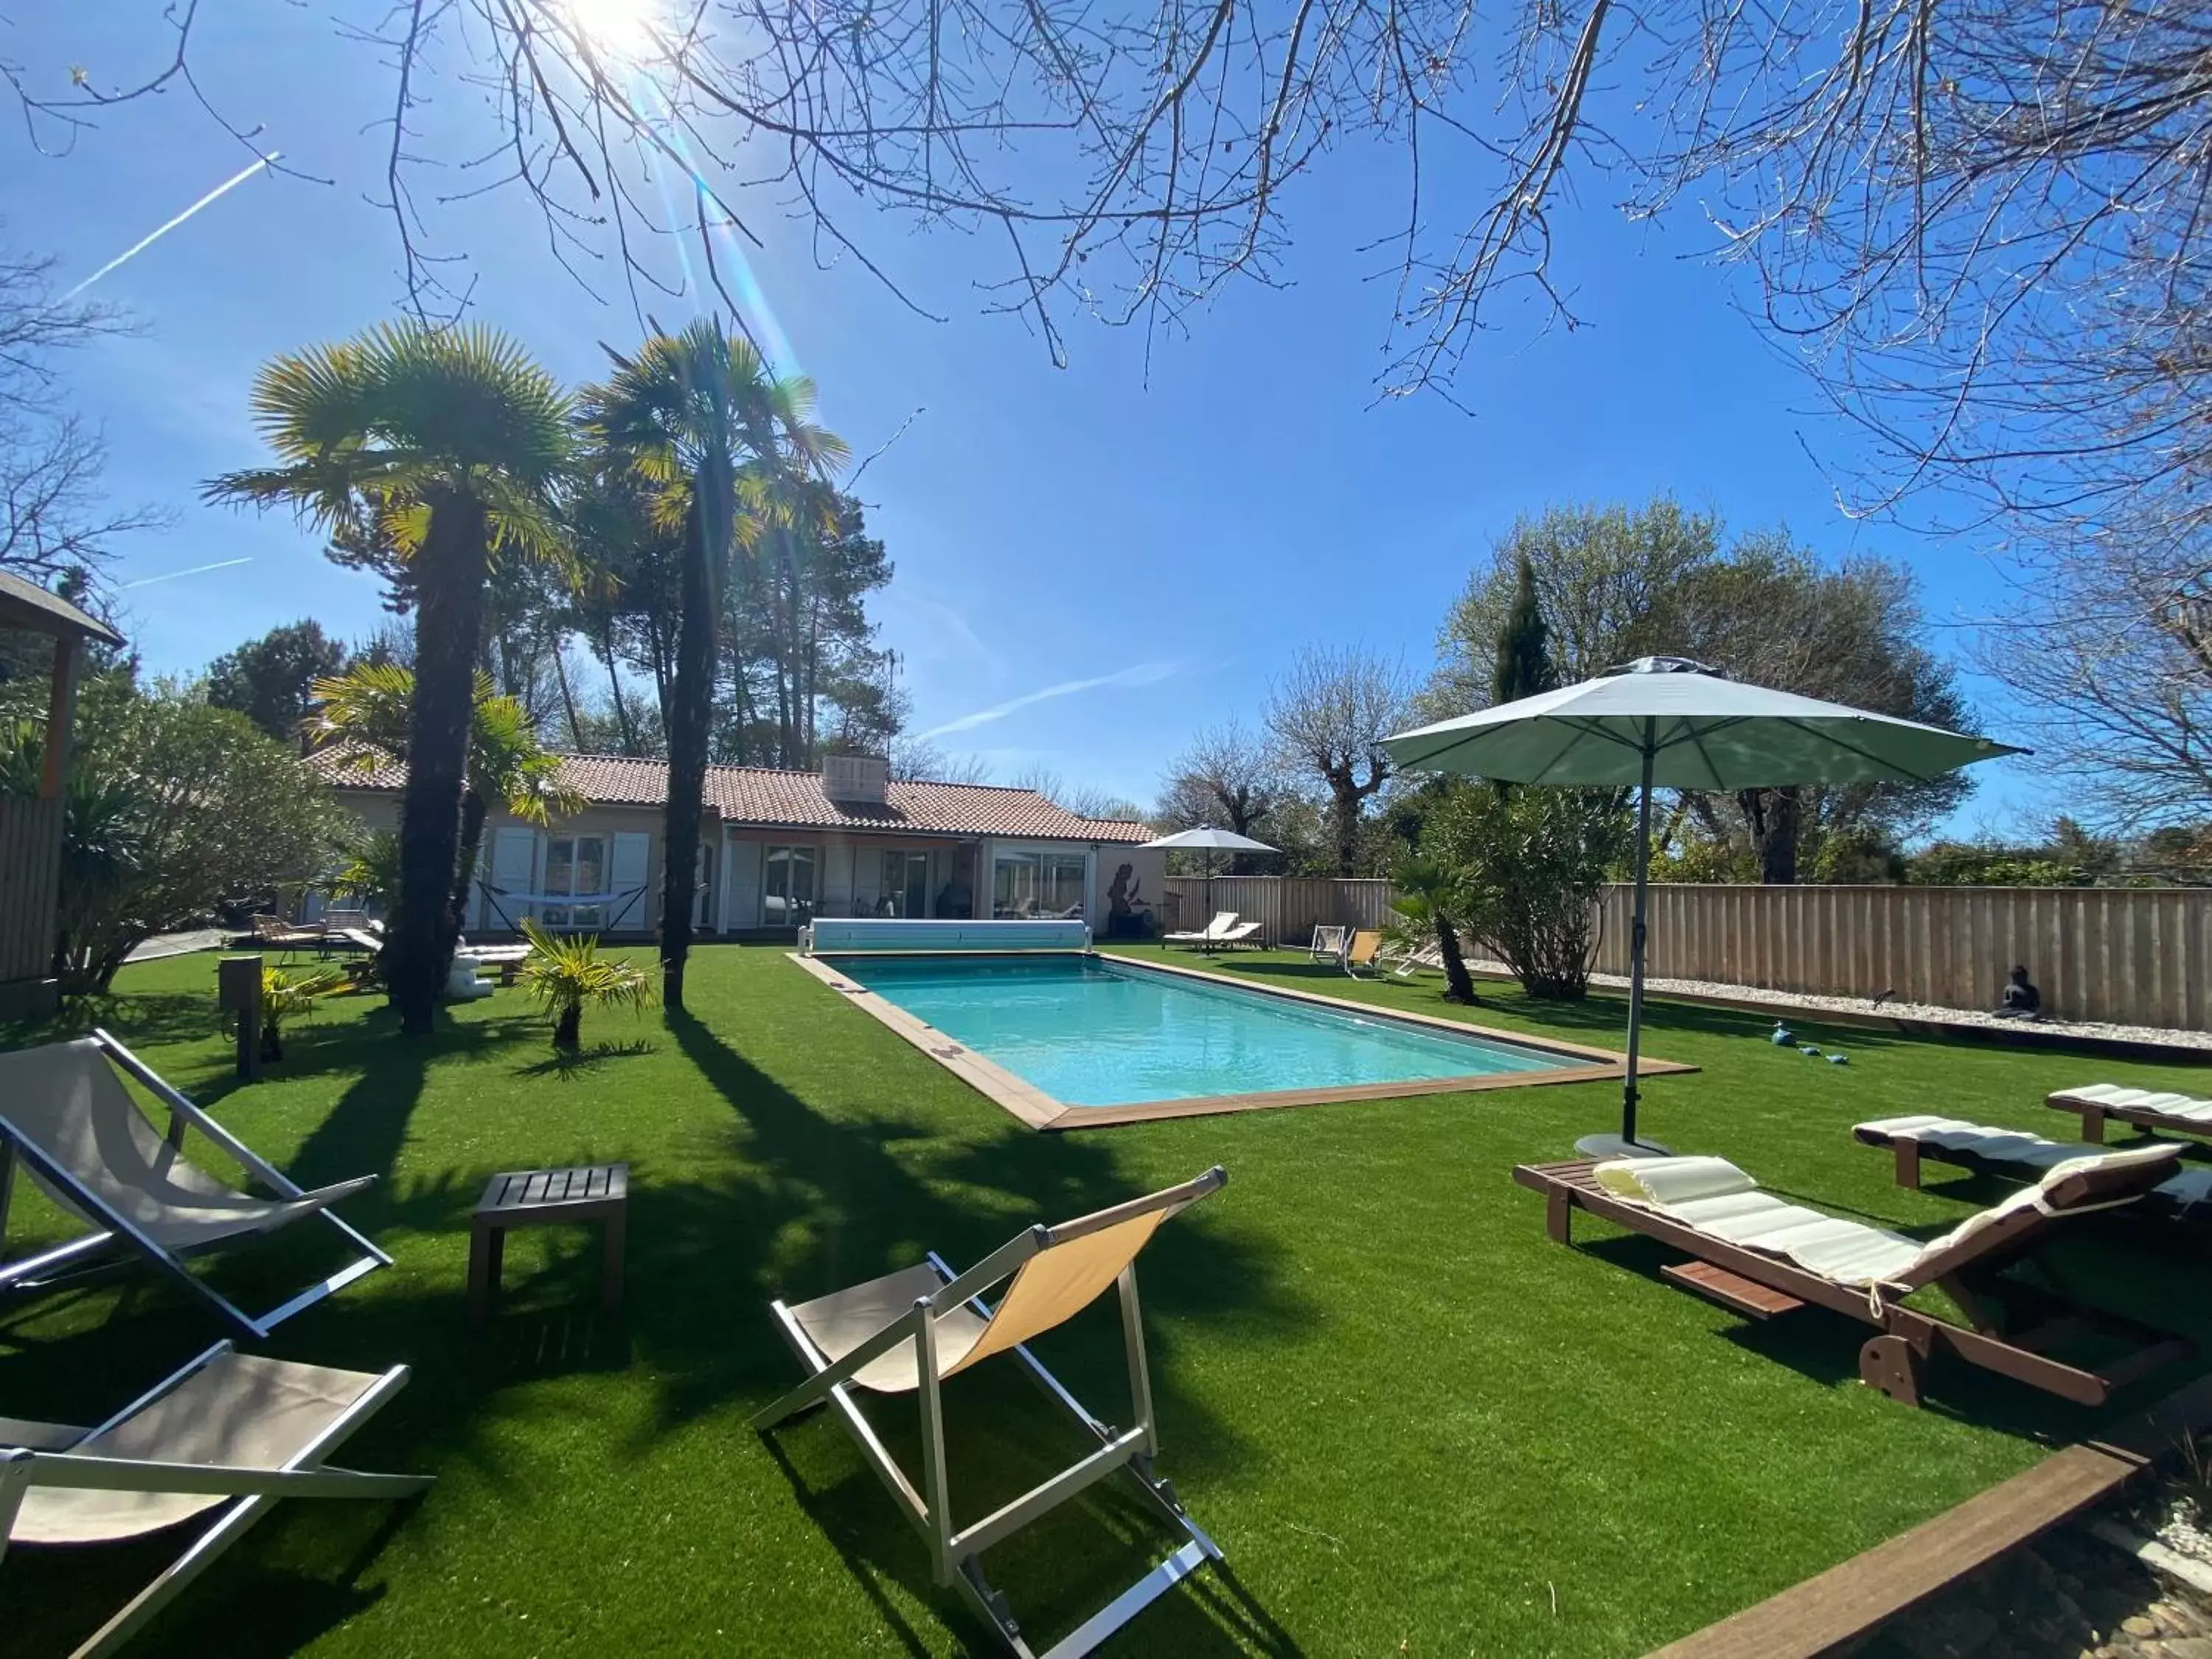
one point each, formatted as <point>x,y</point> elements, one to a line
<point>773,799</point>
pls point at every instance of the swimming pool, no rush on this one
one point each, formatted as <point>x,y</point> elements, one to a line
<point>1087,1038</point>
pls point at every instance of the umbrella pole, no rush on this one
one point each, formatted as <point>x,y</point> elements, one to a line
<point>1635,939</point>
<point>1208,945</point>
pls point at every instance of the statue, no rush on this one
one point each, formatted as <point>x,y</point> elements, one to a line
<point>1123,903</point>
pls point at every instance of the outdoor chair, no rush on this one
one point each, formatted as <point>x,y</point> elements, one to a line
<point>908,1331</point>
<point>1361,953</point>
<point>1763,1257</point>
<point>1244,933</point>
<point>1222,922</point>
<point>1406,960</point>
<point>66,1117</point>
<point>1327,945</point>
<point>2016,1155</point>
<point>275,934</point>
<point>2146,1108</point>
<point>228,1435</point>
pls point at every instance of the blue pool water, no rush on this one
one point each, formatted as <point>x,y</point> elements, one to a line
<point>1093,1033</point>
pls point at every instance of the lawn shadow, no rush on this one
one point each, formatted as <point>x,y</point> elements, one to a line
<point>1823,1345</point>
<point>832,1187</point>
<point>569,1066</point>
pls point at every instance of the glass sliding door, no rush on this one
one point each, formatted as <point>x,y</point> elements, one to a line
<point>786,886</point>
<point>574,865</point>
<point>906,886</point>
<point>1026,886</point>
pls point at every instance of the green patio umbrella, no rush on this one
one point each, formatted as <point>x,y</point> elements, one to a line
<point>1674,724</point>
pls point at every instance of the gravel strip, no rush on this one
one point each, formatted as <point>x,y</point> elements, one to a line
<point>1806,1002</point>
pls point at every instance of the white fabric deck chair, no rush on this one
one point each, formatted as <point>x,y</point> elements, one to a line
<point>908,1331</point>
<point>1222,922</point>
<point>1327,945</point>
<point>229,1434</point>
<point>67,1119</point>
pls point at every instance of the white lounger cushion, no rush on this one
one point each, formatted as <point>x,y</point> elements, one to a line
<point>2186,1108</point>
<point>2192,1186</point>
<point>239,1409</point>
<point>1729,1207</point>
<point>66,1100</point>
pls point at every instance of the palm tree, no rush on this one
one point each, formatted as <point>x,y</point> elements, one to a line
<point>451,443</point>
<point>371,706</point>
<point>723,441</point>
<point>1428,892</point>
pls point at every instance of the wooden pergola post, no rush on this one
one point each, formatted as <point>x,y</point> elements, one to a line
<point>60,706</point>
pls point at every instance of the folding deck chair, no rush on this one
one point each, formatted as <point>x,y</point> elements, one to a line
<point>1758,1255</point>
<point>1327,944</point>
<point>67,1119</point>
<point>908,1331</point>
<point>2016,1155</point>
<point>2146,1108</point>
<point>230,1434</point>
<point>1363,952</point>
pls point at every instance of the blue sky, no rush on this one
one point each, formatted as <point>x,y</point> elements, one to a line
<point>1090,563</point>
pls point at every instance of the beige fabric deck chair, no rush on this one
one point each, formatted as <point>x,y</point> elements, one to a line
<point>1764,1257</point>
<point>227,1436</point>
<point>907,1332</point>
<point>1223,922</point>
<point>1362,953</point>
<point>2144,1109</point>
<point>2016,1155</point>
<point>67,1119</point>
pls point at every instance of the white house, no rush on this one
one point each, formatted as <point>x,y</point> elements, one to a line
<point>780,848</point>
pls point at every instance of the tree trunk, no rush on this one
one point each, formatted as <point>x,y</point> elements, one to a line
<point>1346,809</point>
<point>449,577</point>
<point>1459,984</point>
<point>568,697</point>
<point>272,1041</point>
<point>1777,831</point>
<point>568,1029</point>
<point>465,864</point>
<point>706,533</point>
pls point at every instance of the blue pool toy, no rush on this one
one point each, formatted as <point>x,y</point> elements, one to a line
<point>1837,1060</point>
<point>1781,1036</point>
<point>1812,1048</point>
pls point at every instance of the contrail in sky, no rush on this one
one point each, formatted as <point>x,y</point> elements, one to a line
<point>141,244</point>
<point>196,570</point>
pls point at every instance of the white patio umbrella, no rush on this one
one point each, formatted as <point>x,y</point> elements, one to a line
<point>1679,724</point>
<point>1210,841</point>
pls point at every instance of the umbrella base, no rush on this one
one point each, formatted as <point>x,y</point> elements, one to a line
<point>1616,1146</point>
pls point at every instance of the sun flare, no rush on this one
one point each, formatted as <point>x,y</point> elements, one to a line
<point>621,27</point>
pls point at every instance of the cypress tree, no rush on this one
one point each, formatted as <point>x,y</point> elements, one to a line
<point>1524,654</point>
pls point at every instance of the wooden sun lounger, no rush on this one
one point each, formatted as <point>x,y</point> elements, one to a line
<point>2014,1155</point>
<point>2015,1326</point>
<point>2146,1108</point>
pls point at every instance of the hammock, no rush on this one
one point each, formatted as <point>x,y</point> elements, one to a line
<point>629,896</point>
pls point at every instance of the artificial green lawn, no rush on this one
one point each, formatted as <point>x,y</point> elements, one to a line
<point>1415,1424</point>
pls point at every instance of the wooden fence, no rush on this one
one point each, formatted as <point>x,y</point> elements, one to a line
<point>2130,955</point>
<point>30,854</point>
<point>1287,908</point>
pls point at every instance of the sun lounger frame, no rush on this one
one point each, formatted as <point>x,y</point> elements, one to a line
<point>1894,1360</point>
<point>2094,1113</point>
<point>1909,1153</point>
<point>955,1552</point>
<point>79,1255</point>
<point>302,1476</point>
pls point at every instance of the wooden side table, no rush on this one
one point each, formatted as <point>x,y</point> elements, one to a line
<point>545,1198</point>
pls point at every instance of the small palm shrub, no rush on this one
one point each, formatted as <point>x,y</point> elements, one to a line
<point>562,974</point>
<point>284,995</point>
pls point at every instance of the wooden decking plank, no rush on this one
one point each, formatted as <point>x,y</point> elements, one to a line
<point>1834,1610</point>
<point>1836,1607</point>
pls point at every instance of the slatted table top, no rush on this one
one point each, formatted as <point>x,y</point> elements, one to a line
<point>525,1194</point>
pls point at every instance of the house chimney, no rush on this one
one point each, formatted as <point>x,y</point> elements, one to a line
<point>859,778</point>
